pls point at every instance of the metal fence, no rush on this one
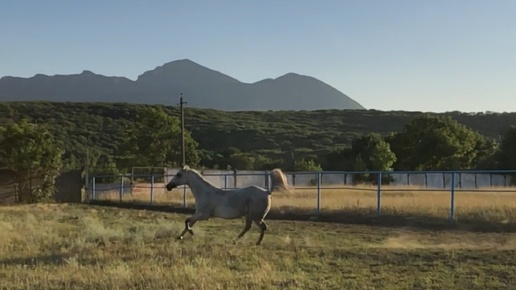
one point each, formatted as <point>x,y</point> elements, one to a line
<point>123,186</point>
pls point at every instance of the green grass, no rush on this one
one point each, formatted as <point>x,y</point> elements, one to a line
<point>64,246</point>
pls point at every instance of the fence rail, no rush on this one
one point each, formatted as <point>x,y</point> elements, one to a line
<point>377,182</point>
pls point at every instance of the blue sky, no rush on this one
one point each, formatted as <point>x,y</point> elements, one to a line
<point>420,55</point>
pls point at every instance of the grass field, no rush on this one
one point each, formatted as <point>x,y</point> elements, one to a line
<point>61,246</point>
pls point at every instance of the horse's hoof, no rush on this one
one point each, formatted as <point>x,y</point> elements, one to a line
<point>180,237</point>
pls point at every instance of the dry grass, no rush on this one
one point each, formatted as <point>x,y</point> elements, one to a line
<point>91,247</point>
<point>495,205</point>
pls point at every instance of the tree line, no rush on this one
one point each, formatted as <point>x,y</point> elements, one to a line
<point>428,143</point>
<point>48,137</point>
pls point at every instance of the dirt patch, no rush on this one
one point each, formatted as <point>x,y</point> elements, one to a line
<point>417,241</point>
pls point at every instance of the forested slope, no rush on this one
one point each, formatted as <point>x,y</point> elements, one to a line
<point>87,127</point>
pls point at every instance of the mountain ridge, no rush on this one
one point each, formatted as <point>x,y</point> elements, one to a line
<point>201,86</point>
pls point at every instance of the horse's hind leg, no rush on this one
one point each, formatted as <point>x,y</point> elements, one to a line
<point>263,228</point>
<point>248,223</point>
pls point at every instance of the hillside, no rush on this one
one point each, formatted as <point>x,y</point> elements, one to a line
<point>202,88</point>
<point>85,127</point>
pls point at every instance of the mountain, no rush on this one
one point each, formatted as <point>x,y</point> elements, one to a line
<point>201,87</point>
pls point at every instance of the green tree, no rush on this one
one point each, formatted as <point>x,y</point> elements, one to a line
<point>242,161</point>
<point>436,143</point>
<point>374,152</point>
<point>261,162</point>
<point>155,140</point>
<point>31,151</point>
<point>104,167</point>
<point>306,165</point>
<point>368,152</point>
<point>506,156</point>
<point>486,150</point>
<point>248,161</point>
<point>339,159</point>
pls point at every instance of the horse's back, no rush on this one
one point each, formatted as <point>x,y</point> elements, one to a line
<point>255,189</point>
<point>252,193</point>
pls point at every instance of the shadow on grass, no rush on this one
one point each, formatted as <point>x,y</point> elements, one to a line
<point>350,216</point>
<point>46,260</point>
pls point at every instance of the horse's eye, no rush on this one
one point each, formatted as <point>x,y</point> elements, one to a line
<point>178,175</point>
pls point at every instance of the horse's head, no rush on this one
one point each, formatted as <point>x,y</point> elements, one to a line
<point>179,178</point>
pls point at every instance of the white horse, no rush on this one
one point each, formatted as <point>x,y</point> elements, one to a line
<point>253,202</point>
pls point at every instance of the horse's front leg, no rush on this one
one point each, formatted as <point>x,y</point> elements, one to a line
<point>188,228</point>
<point>189,222</point>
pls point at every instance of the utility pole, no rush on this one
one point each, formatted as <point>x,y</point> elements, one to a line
<point>183,149</point>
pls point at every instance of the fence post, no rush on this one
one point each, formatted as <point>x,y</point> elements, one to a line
<point>225,181</point>
<point>121,187</point>
<point>93,192</point>
<point>132,175</point>
<point>379,194</point>
<point>152,189</point>
<point>452,198</point>
<point>318,192</point>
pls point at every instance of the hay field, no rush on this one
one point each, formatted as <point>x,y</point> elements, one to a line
<point>61,246</point>
<point>489,205</point>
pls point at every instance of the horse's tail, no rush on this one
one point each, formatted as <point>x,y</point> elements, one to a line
<point>278,180</point>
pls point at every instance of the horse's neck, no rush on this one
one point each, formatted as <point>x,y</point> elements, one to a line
<point>200,186</point>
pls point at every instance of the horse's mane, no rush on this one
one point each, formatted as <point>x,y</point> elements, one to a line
<point>187,168</point>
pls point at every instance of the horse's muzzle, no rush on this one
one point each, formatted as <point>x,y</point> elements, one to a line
<point>170,186</point>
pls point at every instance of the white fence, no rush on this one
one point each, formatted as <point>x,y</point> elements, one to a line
<point>230,179</point>
<point>463,179</point>
<point>451,181</point>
